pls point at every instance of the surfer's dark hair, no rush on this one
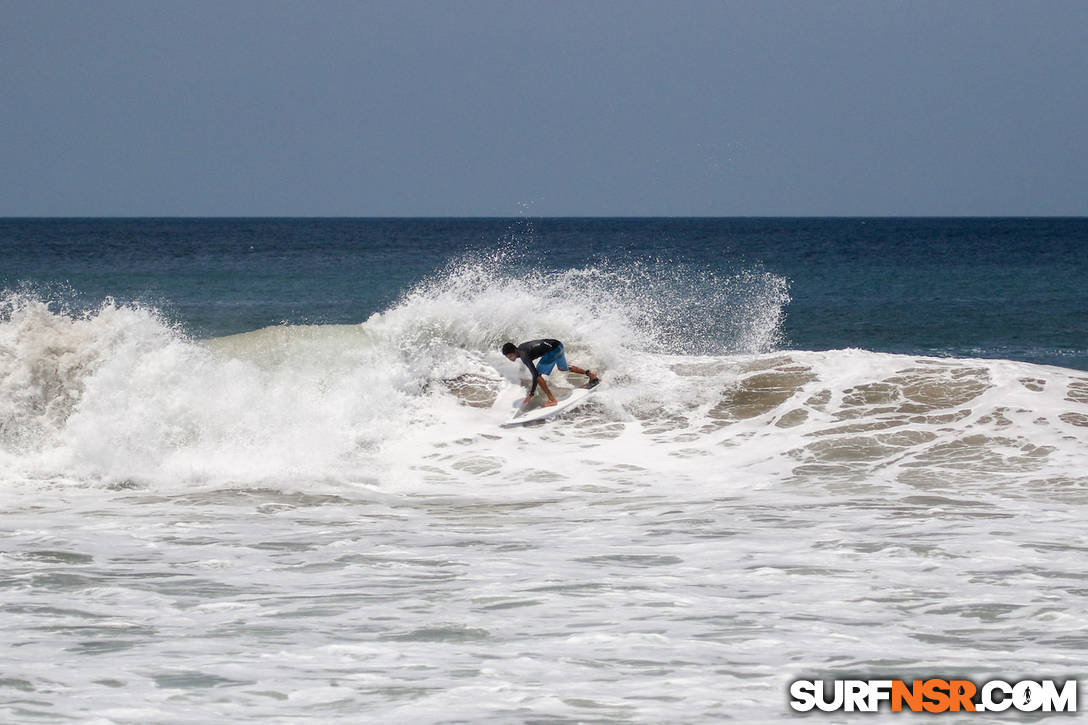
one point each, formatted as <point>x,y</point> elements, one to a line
<point>509,348</point>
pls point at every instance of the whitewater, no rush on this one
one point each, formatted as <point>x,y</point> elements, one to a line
<point>326,522</point>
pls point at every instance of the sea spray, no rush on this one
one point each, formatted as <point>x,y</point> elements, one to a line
<point>634,305</point>
<point>118,393</point>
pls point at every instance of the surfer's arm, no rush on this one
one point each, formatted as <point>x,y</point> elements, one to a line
<point>527,358</point>
<point>532,371</point>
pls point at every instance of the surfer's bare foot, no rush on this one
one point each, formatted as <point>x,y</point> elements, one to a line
<point>549,403</point>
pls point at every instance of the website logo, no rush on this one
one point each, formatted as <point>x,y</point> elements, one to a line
<point>933,695</point>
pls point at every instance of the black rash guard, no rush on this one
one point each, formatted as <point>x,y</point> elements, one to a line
<point>529,351</point>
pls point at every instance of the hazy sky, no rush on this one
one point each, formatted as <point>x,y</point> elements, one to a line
<point>812,107</point>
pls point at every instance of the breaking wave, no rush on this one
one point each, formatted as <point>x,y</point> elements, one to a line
<point>696,386</point>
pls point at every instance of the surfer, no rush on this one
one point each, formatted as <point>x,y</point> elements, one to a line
<point>551,354</point>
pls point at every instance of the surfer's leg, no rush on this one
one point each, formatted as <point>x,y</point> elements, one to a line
<point>560,360</point>
<point>583,371</point>
<point>547,391</point>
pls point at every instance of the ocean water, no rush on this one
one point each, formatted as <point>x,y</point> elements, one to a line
<point>252,470</point>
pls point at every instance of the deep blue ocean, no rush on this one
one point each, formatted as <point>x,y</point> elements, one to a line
<point>994,288</point>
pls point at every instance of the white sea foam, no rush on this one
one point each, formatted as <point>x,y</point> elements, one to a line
<point>316,522</point>
<point>118,395</point>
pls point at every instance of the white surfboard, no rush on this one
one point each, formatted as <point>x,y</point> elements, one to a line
<point>534,410</point>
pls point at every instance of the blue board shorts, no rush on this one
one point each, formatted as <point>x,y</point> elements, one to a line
<point>549,360</point>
